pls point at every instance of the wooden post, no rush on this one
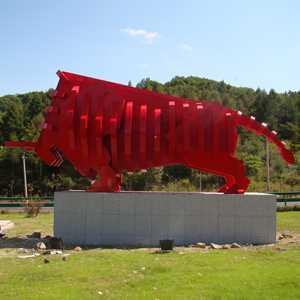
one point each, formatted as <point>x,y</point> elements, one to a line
<point>200,182</point>
<point>268,164</point>
<point>25,175</point>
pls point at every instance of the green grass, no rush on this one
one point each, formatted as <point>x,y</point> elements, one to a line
<point>288,221</point>
<point>253,273</point>
<point>25,225</point>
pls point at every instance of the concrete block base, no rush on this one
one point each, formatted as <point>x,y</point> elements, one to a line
<point>143,218</point>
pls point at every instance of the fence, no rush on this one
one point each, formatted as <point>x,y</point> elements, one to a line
<point>19,201</point>
<point>286,197</point>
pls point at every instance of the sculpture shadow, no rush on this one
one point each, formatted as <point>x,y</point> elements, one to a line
<point>18,242</point>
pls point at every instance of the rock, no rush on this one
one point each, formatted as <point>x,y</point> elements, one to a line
<point>236,245</point>
<point>226,246</point>
<point>54,242</point>
<point>28,256</point>
<point>287,235</point>
<point>200,245</point>
<point>280,249</point>
<point>23,250</point>
<point>65,256</point>
<point>215,246</point>
<point>40,246</point>
<point>54,252</point>
<point>77,248</point>
<point>36,235</point>
<point>46,261</point>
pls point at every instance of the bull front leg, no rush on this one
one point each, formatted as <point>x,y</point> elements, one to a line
<point>109,181</point>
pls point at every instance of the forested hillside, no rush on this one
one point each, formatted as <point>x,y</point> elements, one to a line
<point>21,115</point>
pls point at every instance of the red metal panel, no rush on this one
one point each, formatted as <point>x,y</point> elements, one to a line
<point>128,129</point>
<point>143,131</point>
<point>157,136</point>
<point>172,128</point>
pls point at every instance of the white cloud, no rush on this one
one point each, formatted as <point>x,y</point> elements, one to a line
<point>186,47</point>
<point>148,36</point>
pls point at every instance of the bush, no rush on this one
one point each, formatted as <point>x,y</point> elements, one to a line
<point>32,208</point>
<point>288,208</point>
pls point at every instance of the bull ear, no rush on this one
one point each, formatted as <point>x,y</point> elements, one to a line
<point>64,85</point>
<point>74,78</point>
<point>62,75</point>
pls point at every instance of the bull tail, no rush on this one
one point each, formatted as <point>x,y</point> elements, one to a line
<point>262,129</point>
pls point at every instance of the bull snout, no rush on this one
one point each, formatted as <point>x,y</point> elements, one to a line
<point>51,156</point>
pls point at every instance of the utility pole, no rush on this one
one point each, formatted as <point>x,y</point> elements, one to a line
<point>268,164</point>
<point>25,175</point>
<point>200,182</point>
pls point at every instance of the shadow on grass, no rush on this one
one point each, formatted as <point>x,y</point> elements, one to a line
<point>30,243</point>
<point>18,242</point>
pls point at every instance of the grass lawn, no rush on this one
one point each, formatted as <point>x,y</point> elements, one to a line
<point>268,272</point>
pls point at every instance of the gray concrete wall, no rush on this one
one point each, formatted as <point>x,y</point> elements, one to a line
<point>143,218</point>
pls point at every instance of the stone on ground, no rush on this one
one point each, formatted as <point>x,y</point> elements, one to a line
<point>216,246</point>
<point>5,225</point>
<point>35,235</point>
<point>54,242</point>
<point>236,245</point>
<point>200,245</point>
<point>287,235</point>
<point>41,246</point>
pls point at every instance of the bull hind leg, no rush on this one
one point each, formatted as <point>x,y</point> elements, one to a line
<point>229,182</point>
<point>234,174</point>
<point>239,187</point>
<point>109,181</point>
<point>233,171</point>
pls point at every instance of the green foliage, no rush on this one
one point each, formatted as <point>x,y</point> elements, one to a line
<point>176,172</point>
<point>253,164</point>
<point>21,116</point>
<point>179,186</point>
<point>143,180</point>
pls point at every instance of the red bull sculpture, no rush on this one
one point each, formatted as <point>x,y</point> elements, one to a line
<point>105,128</point>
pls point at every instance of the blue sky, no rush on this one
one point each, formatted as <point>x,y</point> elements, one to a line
<point>245,43</point>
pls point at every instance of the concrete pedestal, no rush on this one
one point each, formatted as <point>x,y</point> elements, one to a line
<point>143,218</point>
